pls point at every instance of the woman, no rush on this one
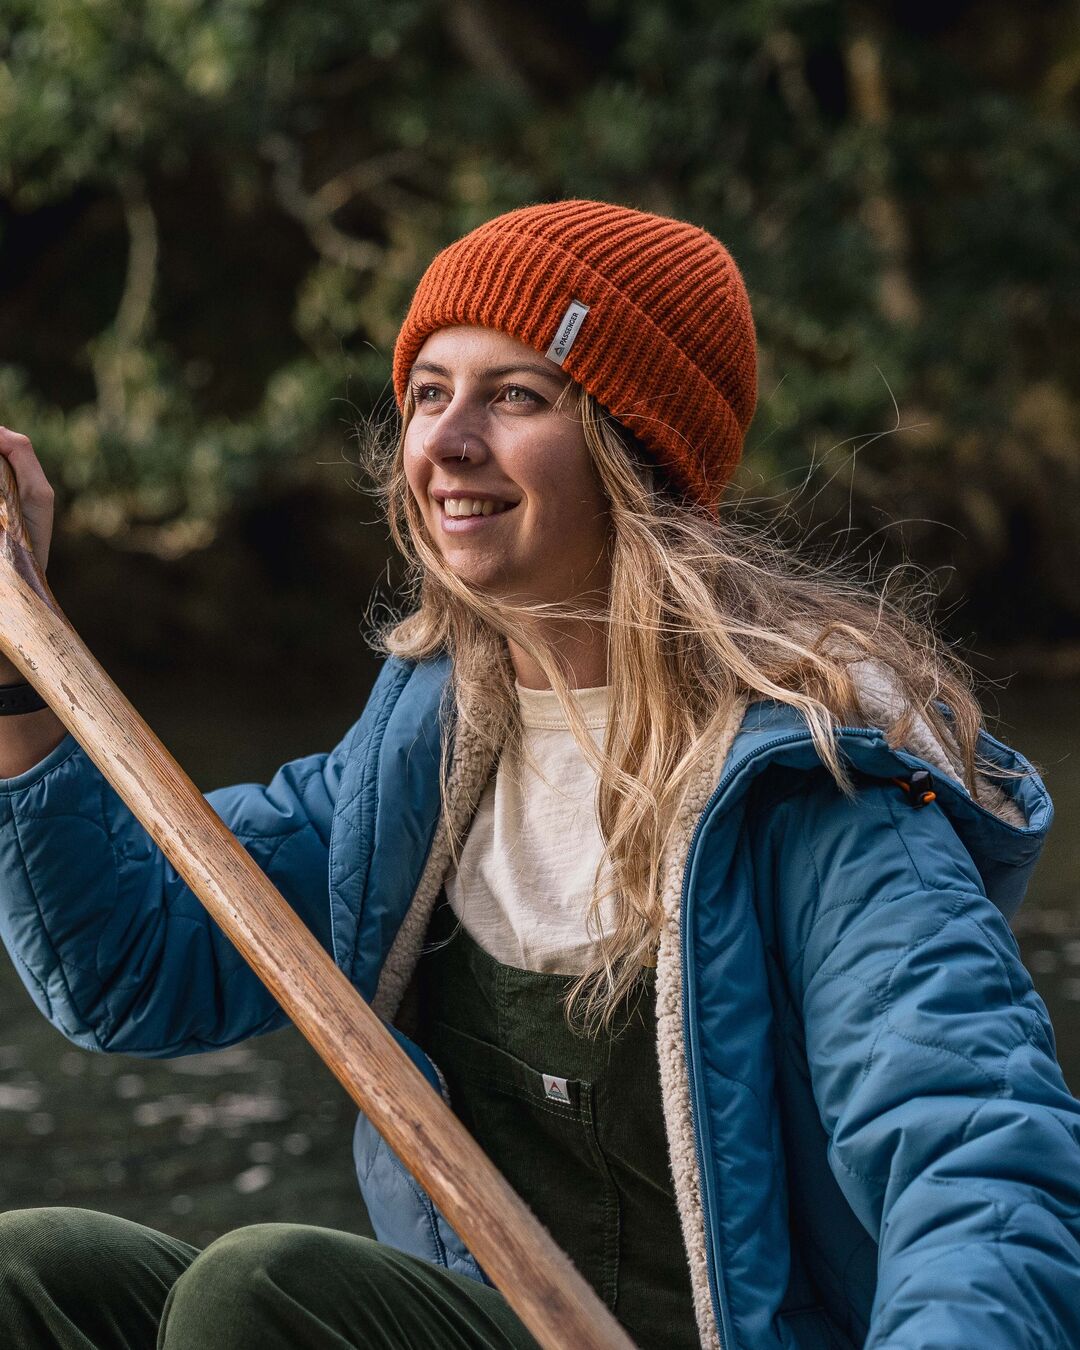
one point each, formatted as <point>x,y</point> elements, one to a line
<point>686,870</point>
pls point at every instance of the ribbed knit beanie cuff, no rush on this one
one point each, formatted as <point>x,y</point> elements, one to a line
<point>650,315</point>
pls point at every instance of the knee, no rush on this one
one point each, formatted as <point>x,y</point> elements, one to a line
<point>238,1264</point>
<point>76,1276</point>
<point>62,1266</point>
<point>248,1279</point>
<point>45,1247</point>
<point>300,1284</point>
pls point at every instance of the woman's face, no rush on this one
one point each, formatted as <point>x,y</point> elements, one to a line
<point>485,437</point>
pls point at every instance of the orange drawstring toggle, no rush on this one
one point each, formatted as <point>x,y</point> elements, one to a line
<point>919,788</point>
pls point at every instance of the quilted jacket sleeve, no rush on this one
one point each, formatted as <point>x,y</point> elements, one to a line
<point>951,1131</point>
<point>114,948</point>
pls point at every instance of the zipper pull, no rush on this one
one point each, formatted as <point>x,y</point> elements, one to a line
<point>919,788</point>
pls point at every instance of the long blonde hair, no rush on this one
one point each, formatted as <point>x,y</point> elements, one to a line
<point>702,611</point>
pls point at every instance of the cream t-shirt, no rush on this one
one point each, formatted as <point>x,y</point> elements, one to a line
<point>525,877</point>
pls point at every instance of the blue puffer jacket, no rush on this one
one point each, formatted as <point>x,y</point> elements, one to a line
<point>871,1138</point>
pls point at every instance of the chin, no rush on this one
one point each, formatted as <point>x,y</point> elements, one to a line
<point>491,580</point>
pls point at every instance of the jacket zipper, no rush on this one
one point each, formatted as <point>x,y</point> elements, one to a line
<point>723,1329</point>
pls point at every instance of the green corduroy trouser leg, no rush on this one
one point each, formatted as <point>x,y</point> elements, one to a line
<point>75,1279</point>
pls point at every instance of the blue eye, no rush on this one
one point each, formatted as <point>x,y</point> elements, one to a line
<point>420,392</point>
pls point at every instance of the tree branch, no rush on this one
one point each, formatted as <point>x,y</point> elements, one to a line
<point>471,29</point>
<point>884,219</point>
<point>129,328</point>
<point>314,210</point>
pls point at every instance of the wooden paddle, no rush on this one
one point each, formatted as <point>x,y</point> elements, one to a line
<point>537,1279</point>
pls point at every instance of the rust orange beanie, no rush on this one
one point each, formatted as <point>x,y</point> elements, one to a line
<point>649,314</point>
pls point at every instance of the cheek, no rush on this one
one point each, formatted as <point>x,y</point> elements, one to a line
<point>570,491</point>
<point>559,470</point>
<point>417,469</point>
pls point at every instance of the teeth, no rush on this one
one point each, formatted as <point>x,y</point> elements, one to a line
<point>471,506</point>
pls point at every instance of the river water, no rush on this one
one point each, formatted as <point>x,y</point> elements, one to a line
<point>261,1131</point>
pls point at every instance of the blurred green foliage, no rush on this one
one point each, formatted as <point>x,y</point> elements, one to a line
<point>212,213</point>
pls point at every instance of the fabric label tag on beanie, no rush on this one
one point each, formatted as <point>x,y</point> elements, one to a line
<point>569,327</point>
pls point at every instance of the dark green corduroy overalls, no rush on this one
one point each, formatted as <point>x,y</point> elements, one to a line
<point>574,1122</point>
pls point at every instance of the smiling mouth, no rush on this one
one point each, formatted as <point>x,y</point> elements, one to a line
<point>457,508</point>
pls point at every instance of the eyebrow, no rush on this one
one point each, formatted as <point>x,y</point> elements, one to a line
<point>496,372</point>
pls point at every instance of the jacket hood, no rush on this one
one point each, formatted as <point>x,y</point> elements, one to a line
<point>1003,834</point>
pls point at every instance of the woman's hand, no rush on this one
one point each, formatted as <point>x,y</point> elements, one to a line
<point>35,491</point>
<point>36,499</point>
<point>26,738</point>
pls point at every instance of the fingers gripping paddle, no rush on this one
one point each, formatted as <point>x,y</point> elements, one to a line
<point>536,1278</point>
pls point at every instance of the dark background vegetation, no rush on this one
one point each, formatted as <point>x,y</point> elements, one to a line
<point>212,213</point>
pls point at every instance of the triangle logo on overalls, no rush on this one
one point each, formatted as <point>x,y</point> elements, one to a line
<point>555,1088</point>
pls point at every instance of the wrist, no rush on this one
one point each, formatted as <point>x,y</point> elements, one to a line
<point>20,697</point>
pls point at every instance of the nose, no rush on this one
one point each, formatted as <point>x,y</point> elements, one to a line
<point>454,439</point>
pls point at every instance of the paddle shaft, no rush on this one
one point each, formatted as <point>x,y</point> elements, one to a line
<point>536,1278</point>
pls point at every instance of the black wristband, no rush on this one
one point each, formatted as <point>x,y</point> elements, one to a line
<point>20,698</point>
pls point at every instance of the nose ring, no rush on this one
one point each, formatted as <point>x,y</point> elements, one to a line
<point>464,447</point>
